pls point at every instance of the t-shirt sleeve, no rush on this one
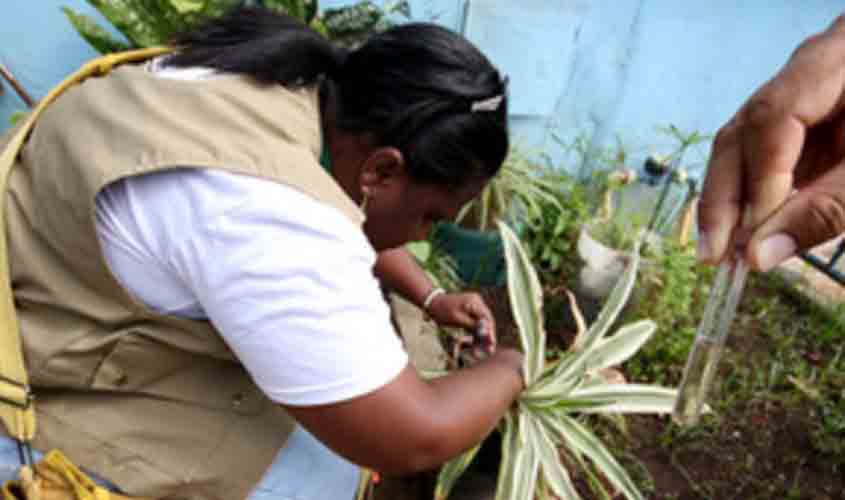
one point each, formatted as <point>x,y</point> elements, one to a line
<point>288,282</point>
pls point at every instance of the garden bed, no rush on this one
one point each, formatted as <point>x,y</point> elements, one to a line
<point>778,429</point>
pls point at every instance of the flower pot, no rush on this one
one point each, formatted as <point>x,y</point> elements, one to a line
<point>479,255</point>
<point>603,264</point>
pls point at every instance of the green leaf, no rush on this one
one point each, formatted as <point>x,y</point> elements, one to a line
<point>93,33</point>
<point>352,21</point>
<point>16,117</point>
<point>295,8</point>
<point>577,437</point>
<point>522,480</point>
<point>553,472</point>
<point>627,398</point>
<point>526,298</point>
<point>486,195</point>
<point>451,471</point>
<point>421,250</point>
<point>187,6</point>
<point>615,302</point>
<point>614,350</point>
<point>510,446</point>
<point>552,388</point>
<point>143,23</point>
<point>402,7</point>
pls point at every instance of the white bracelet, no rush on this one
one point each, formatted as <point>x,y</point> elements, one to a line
<point>429,298</point>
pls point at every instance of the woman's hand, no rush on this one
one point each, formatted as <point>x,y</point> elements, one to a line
<point>468,311</point>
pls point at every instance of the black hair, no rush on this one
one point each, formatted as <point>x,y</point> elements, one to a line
<point>412,87</point>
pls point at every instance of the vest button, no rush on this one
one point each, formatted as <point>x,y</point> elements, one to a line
<point>238,400</point>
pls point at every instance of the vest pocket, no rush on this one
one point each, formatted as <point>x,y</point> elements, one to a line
<point>142,365</point>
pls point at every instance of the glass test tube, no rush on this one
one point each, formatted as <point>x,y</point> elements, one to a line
<point>703,360</point>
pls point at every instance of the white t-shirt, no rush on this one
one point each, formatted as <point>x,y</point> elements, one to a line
<point>285,279</point>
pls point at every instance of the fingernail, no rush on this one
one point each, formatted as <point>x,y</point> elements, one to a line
<point>703,251</point>
<point>774,250</point>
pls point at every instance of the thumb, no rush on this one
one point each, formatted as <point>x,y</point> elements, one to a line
<point>811,216</point>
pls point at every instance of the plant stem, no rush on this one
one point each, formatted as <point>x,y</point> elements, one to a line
<point>7,75</point>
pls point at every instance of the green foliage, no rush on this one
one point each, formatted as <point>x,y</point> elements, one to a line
<point>550,232</point>
<point>147,24</point>
<point>144,23</point>
<point>620,231</point>
<point>519,191</point>
<point>440,267</point>
<point>542,435</point>
<point>16,117</point>
<point>350,26</point>
<point>674,292</point>
<point>94,34</point>
<point>306,10</point>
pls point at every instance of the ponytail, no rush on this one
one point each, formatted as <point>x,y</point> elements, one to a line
<point>271,48</point>
<point>418,87</point>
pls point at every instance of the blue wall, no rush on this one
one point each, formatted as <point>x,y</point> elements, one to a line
<point>584,68</point>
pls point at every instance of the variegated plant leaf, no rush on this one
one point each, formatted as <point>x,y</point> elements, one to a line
<point>525,464</point>
<point>627,398</point>
<point>553,387</point>
<point>613,306</point>
<point>553,473</point>
<point>510,446</point>
<point>451,471</point>
<point>576,313</point>
<point>579,438</point>
<point>526,298</point>
<point>611,351</point>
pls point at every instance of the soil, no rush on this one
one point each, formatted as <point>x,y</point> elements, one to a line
<point>758,449</point>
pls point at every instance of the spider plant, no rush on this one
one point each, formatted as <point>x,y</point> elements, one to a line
<point>542,435</point>
<point>516,191</point>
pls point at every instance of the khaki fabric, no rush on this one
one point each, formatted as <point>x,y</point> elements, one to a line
<point>158,405</point>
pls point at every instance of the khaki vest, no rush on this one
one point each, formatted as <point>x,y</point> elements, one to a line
<point>158,405</point>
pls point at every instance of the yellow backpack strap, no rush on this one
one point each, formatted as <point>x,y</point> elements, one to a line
<point>16,409</point>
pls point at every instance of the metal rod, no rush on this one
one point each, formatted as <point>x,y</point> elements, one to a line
<point>824,267</point>
<point>22,93</point>
<point>840,250</point>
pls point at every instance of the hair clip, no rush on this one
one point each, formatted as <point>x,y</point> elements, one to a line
<point>489,104</point>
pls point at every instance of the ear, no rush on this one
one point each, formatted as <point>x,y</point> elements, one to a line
<point>383,167</point>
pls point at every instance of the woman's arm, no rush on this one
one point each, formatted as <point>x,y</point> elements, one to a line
<point>411,425</point>
<point>399,271</point>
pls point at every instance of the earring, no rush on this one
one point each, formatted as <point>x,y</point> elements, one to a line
<point>364,202</point>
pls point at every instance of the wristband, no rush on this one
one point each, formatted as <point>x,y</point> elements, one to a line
<point>430,296</point>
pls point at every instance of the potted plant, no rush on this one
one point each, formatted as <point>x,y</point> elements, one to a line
<point>605,242</point>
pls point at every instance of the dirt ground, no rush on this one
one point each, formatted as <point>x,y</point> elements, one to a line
<point>757,449</point>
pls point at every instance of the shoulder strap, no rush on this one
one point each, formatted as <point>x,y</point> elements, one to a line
<point>16,409</point>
